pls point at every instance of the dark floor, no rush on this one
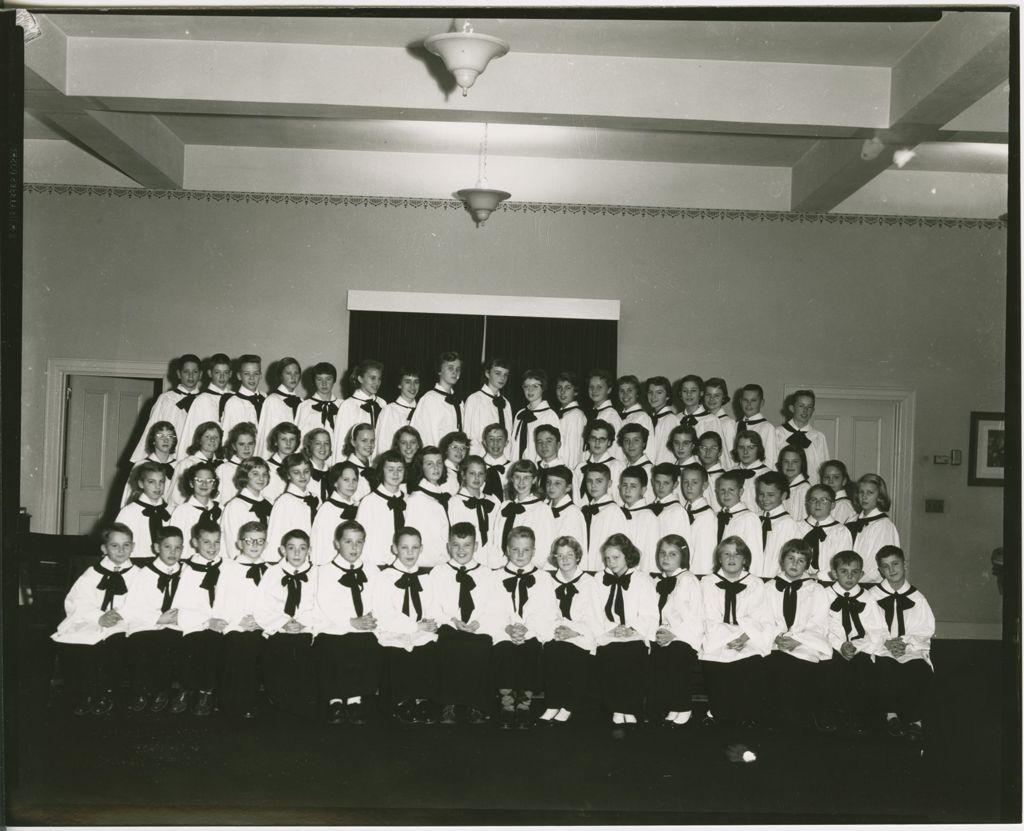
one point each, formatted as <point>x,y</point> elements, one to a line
<point>180,770</point>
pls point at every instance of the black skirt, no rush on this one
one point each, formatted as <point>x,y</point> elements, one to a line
<point>671,678</point>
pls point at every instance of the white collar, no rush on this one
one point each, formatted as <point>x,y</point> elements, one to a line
<point>110,565</point>
<point>345,565</point>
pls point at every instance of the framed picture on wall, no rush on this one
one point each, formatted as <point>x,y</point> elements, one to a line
<point>987,457</point>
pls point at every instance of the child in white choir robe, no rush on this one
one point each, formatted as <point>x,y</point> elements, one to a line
<point>202,630</point>
<point>285,610</point>
<point>235,603</point>
<point>736,520</point>
<point>161,449</point>
<point>702,526</point>
<point>548,441</point>
<point>825,535</point>
<point>641,523</point>
<point>678,635</point>
<point>793,465</point>
<point>360,446</point>
<point>797,432</point>
<point>629,606</point>
<point>709,453</point>
<point>204,448</point>
<point>398,413</point>
<point>530,417</point>
<point>470,504</point>
<point>777,526</point>
<point>568,657</point>
<point>599,388</point>
<point>856,630</point>
<point>602,517</point>
<point>147,512</point>
<point>241,445</point>
<point>527,612</point>
<point>341,506</point>
<point>488,405</point>
<point>692,412</point>
<point>716,396</point>
<point>246,404</point>
<point>173,405</point>
<point>523,507</point>
<point>627,389</point>
<point>568,519</point>
<point>750,462</point>
<point>282,442</point>
<point>364,406</point>
<point>466,608</point>
<point>440,411</point>
<point>295,509</point>
<point>248,505</point>
<point>316,447</point>
<point>320,410</point>
<point>834,474</point>
<point>738,635</point>
<point>903,664</point>
<point>427,509</point>
<point>872,528</point>
<point>405,610</point>
<point>454,448</point>
<point>348,656</point>
<point>632,442</point>
<point>495,460</point>
<point>599,436</point>
<point>683,441</point>
<point>799,607</point>
<point>154,634</point>
<point>382,511</point>
<point>282,404</point>
<point>751,402</point>
<point>199,485</point>
<point>209,404</point>
<point>663,417</point>
<point>666,506</point>
<point>572,421</point>
<point>92,634</point>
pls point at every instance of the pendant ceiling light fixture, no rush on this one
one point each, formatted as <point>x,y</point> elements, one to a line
<point>466,53</point>
<point>481,200</point>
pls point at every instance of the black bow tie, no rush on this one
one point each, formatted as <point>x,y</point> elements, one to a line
<point>524,582</point>
<point>371,408</point>
<point>732,590</point>
<point>185,402</point>
<point>688,420</point>
<point>766,527</point>
<point>789,591</point>
<point>558,511</point>
<point>224,397</point>
<point>493,483</point>
<point>311,502</point>
<point>851,609</point>
<point>814,538</point>
<point>499,402</point>
<point>293,582</point>
<point>746,473</point>
<point>347,511</point>
<point>292,401</point>
<point>523,418</point>
<point>796,438</point>
<point>111,584</point>
<point>615,605</point>
<point>510,512</point>
<point>565,592</point>
<point>157,516</point>
<point>657,507</point>
<point>723,521</point>
<point>466,586</point>
<point>894,605</point>
<point>260,507</point>
<point>327,409</point>
<point>656,417</point>
<point>630,511</point>
<point>747,423</point>
<point>442,498</point>
<point>211,574</point>
<point>209,514</point>
<point>255,572</point>
<point>167,584</point>
<point>855,526</point>
<point>410,584</point>
<point>354,579</point>
<point>665,586</point>
<point>483,508</point>
<point>454,401</point>
<point>256,399</point>
<point>396,504</point>
<point>691,513</point>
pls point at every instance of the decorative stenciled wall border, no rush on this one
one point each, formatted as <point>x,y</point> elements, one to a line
<point>511,207</point>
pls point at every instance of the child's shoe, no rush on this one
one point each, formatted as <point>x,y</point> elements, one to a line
<point>425,712</point>
<point>507,719</point>
<point>476,716</point>
<point>84,706</point>
<point>160,702</point>
<point>336,712</point>
<point>359,712</point>
<point>138,703</point>
<point>448,714</point>
<point>914,731</point>
<point>104,704</point>
<point>179,702</point>
<point>894,727</point>
<point>203,705</point>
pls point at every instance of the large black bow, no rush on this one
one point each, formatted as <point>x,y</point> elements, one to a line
<point>354,579</point>
<point>167,585</point>
<point>766,527</point>
<point>732,590</point>
<point>260,507</point>
<point>211,513</point>
<point>211,574</point>
<point>851,609</point>
<point>292,401</point>
<point>723,520</point>
<point>524,582</point>
<point>255,572</point>
<point>565,593</point>
<point>111,584</point>
<point>348,511</point>
<point>410,584</point>
<point>312,503</point>
<point>371,408</point>
<point>510,512</point>
<point>293,582</point>
<point>483,508</point>
<point>796,438</point>
<point>523,418</point>
<point>157,516</point>
<point>789,591</point>
<point>615,606</point>
<point>493,482</point>
<point>665,586</point>
<point>186,401</point>
<point>814,538</point>
<point>466,586</point>
<point>454,400</point>
<point>896,605</point>
<point>327,409</point>
<point>855,526</point>
<point>396,504</point>
<point>499,402</point>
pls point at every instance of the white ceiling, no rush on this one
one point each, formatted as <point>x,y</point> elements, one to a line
<point>755,114</point>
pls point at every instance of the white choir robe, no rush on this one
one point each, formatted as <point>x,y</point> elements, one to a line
<point>583,609</point>
<point>308,418</point>
<point>236,513</point>
<point>269,608</point>
<point>879,531</point>
<point>275,484</point>
<point>83,606</point>
<point>709,493</point>
<point>393,417</point>
<point>817,454</point>
<point>539,612</point>
<point>501,462</point>
<point>657,446</point>
<point>837,538</point>
<point>642,529</point>
<point>172,461</point>
<point>745,524</point>
<point>706,423</point>
<point>240,408</point>
<point>351,413</point>
<point>692,460</point>
<point>290,512</point>
<point>606,412</point>
<point>784,529</point>
<point>166,408</point>
<point>444,591</point>
<point>430,518</point>
<point>318,468</point>
<point>193,601</point>
<point>648,467</point>
<point>796,502</point>
<point>275,411</point>
<point>328,517</point>
<point>608,520</point>
<point>683,614</point>
<point>767,431</point>
<point>871,619</point>
<point>753,618</point>
<point>702,536</point>
<point>458,512</point>
<point>451,478</point>
<point>537,516</point>
<point>615,467</point>
<point>671,517</point>
<point>726,430</point>
<point>189,513</point>
<point>637,415</point>
<point>236,592</point>
<point>205,408</point>
<point>572,421</point>
<point>174,494</point>
<point>481,412</point>
<point>226,471</point>
<point>749,493</point>
<point>542,414</point>
<point>379,521</point>
<point>810,626</point>
<point>569,521</point>
<point>394,627</point>
<point>843,509</point>
<point>142,609</point>
<point>435,417</point>
<point>640,603</point>
<point>335,607</point>
<point>918,622</point>
<point>132,516</point>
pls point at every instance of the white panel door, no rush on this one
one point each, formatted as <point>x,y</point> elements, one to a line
<point>861,433</point>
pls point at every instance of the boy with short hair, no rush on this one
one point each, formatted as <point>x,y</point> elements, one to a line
<point>777,526</point>
<point>247,402</point>
<point>398,413</point>
<point>599,387</point>
<point>548,440</point>
<point>320,410</point>
<point>488,405</point>
<point>572,421</point>
<point>147,513</point>
<point>797,431</point>
<point>736,519</point>
<point>663,417</point>
<point>440,410</point>
<point>666,506</point>
<point>709,453</point>
<point>751,402</point>
<point>632,442</point>
<point>174,405</point>
<point>716,396</point>
<point>495,460</point>
<point>641,523</point>
<point>568,519</point>
<point>209,404</point>
<point>599,436</point>
<point>702,526</point>
<point>600,514</point>
<point>822,531</point>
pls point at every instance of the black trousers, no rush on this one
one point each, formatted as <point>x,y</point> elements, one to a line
<point>621,671</point>
<point>517,666</point>
<point>240,680</point>
<point>348,665</point>
<point>735,689</point>
<point>463,667</point>
<point>903,688</point>
<point>792,689</point>
<point>157,657</point>
<point>92,669</point>
<point>569,676</point>
<point>413,674</point>
<point>847,686</point>
<point>671,677</point>
<point>289,673</point>
<point>203,659</point>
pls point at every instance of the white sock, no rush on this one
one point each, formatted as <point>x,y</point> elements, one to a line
<point>549,714</point>
<point>618,718</point>
<point>337,701</point>
<point>563,715</point>
<point>682,718</point>
<point>356,699</point>
<point>890,716</point>
<point>630,718</point>
<point>671,716</point>
<point>916,723</point>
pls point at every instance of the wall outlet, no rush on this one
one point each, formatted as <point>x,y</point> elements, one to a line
<point>934,506</point>
<point>940,460</point>
<point>955,457</point>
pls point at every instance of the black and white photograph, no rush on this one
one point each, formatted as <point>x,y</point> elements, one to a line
<point>510,416</point>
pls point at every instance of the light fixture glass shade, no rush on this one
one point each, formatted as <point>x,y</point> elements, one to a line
<point>466,54</point>
<point>481,201</point>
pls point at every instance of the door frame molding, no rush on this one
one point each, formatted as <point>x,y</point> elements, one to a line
<point>54,427</point>
<point>901,490</point>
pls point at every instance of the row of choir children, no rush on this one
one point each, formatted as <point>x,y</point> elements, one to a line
<point>446,643</point>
